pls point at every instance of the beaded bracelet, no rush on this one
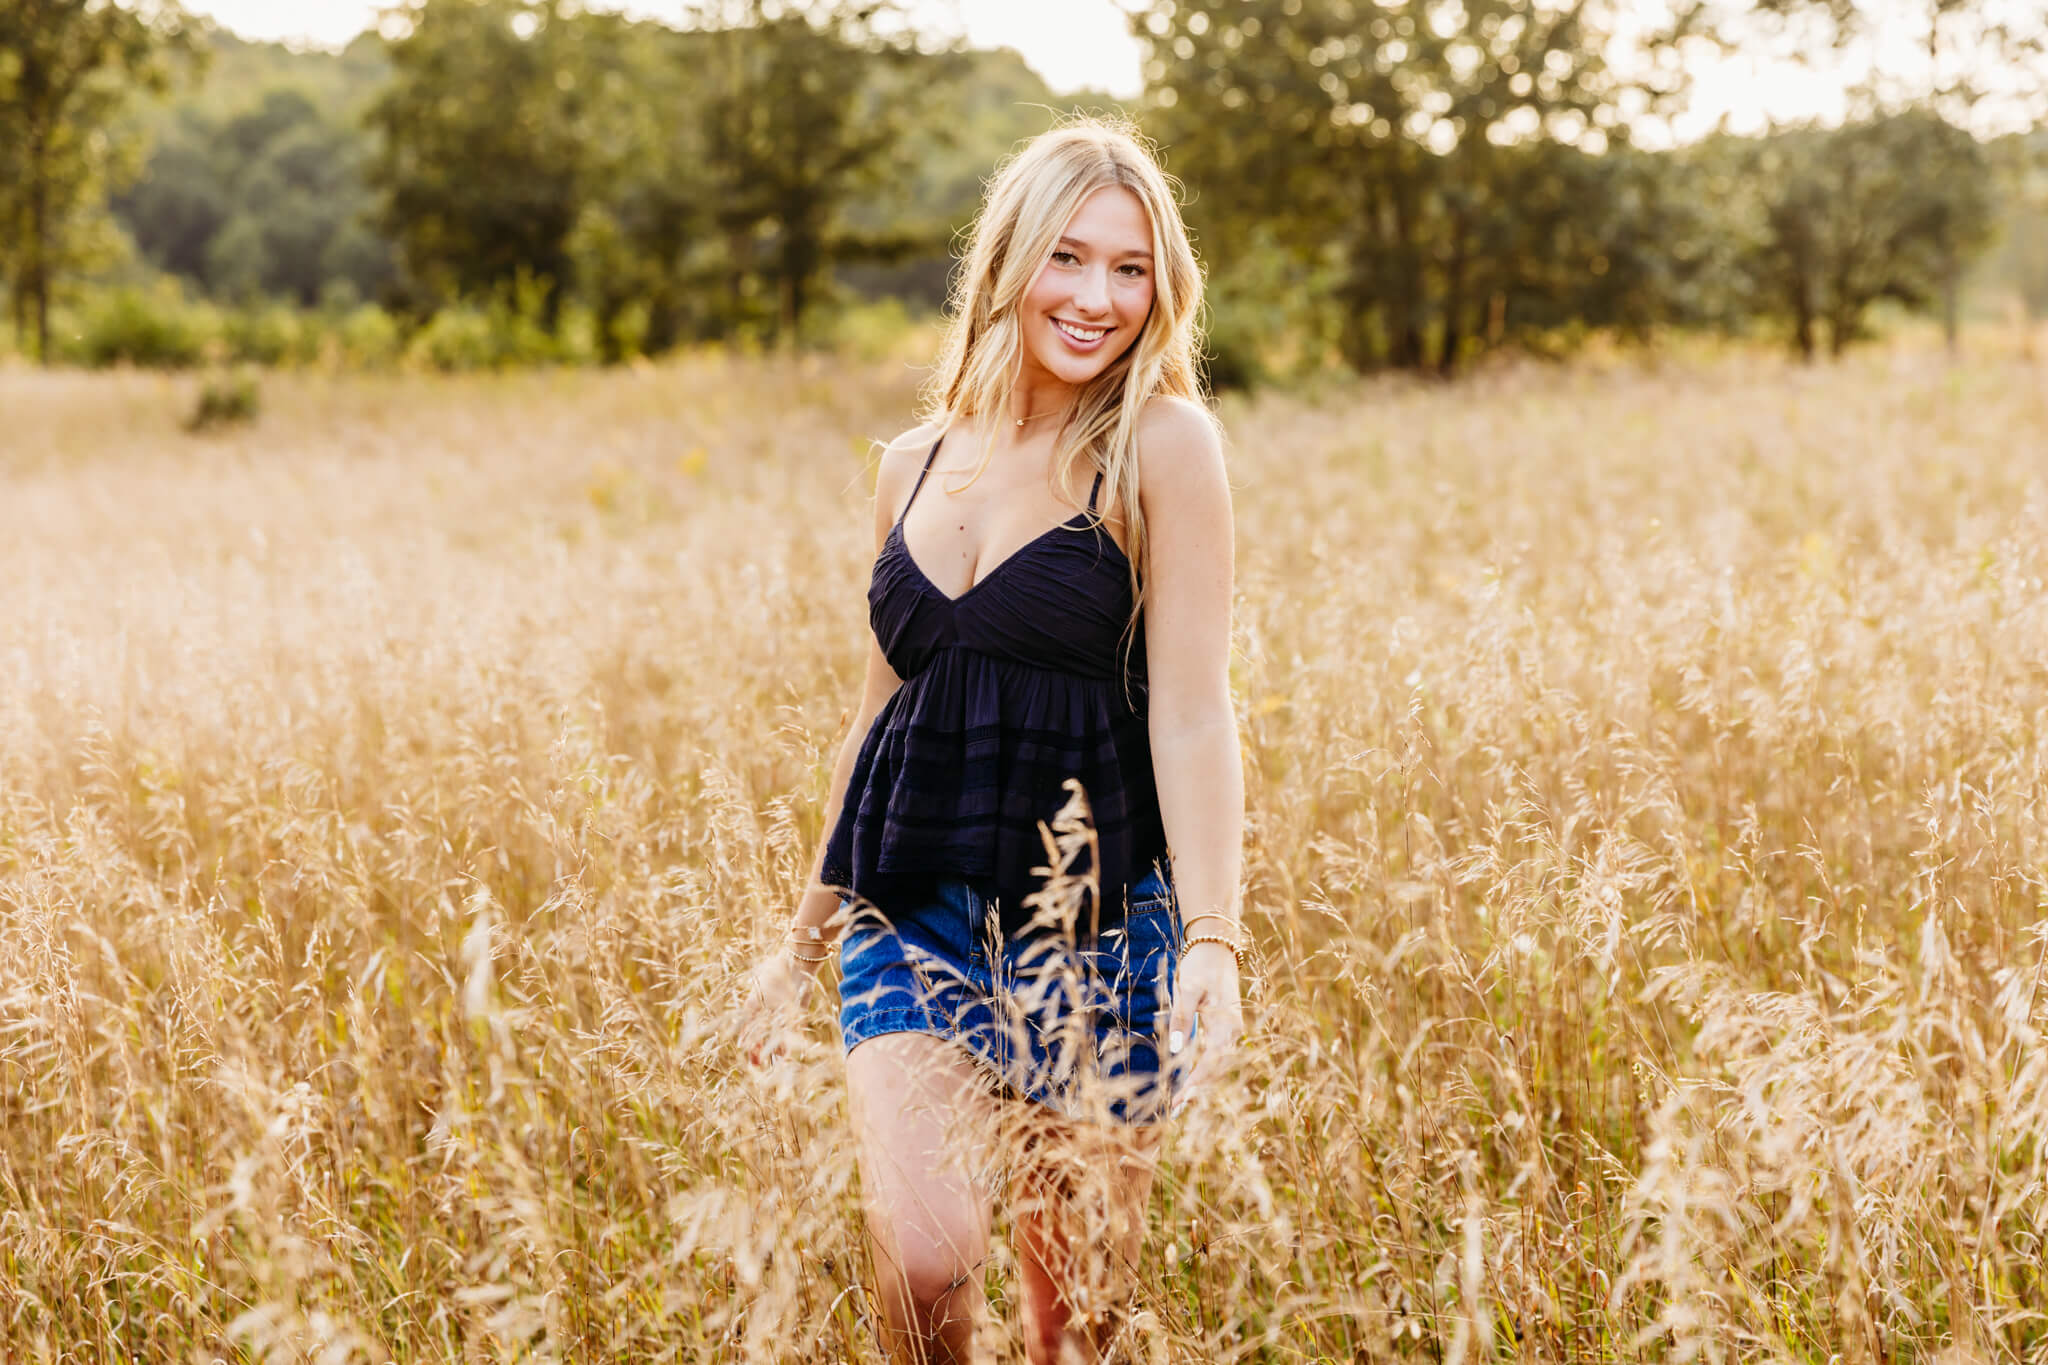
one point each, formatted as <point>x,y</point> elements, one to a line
<point>1236,948</point>
<point>812,935</point>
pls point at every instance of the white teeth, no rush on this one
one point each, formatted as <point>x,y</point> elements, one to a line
<point>1081,334</point>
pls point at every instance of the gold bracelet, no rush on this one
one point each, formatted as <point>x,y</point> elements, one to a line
<point>1236,951</point>
<point>1209,914</point>
<point>811,935</point>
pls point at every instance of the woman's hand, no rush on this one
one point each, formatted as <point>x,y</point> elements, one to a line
<point>1205,991</point>
<point>778,988</point>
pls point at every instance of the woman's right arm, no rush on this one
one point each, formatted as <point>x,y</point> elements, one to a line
<point>900,464</point>
<point>783,980</point>
<point>820,901</point>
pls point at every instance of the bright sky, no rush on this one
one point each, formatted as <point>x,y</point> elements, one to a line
<point>1086,44</point>
<point>1073,44</point>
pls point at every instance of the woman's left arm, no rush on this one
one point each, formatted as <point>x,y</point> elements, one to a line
<point>1189,581</point>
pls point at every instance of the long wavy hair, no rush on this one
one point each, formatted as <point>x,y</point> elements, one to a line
<point>1030,199</point>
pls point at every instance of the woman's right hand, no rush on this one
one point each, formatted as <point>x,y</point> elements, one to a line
<point>779,986</point>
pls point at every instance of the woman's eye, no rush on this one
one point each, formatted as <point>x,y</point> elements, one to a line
<point>1063,256</point>
<point>1137,271</point>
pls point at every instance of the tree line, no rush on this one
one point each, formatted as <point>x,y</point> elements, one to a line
<point>1396,183</point>
<point>1461,173</point>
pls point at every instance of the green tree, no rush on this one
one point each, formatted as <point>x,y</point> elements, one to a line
<point>1977,67</point>
<point>270,200</point>
<point>975,109</point>
<point>65,69</point>
<point>180,201</point>
<point>1405,143</point>
<point>1882,208</point>
<point>639,245</point>
<point>1622,239</point>
<point>2019,263</point>
<point>803,114</point>
<point>487,130</point>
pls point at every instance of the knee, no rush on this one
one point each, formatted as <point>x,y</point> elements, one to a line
<point>927,1275</point>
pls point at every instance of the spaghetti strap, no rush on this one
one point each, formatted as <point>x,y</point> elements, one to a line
<point>920,480</point>
<point>1092,492</point>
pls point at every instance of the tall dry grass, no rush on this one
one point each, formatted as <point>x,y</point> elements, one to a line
<point>1647,779</point>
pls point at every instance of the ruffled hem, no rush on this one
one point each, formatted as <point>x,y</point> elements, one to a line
<point>965,761</point>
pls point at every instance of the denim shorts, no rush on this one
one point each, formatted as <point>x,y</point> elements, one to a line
<point>1076,1025</point>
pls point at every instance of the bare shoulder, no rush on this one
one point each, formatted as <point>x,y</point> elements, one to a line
<point>1180,451</point>
<point>899,462</point>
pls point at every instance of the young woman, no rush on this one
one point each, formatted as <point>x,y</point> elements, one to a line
<point>1050,604</point>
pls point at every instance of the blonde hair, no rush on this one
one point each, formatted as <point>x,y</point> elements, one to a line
<point>1030,200</point>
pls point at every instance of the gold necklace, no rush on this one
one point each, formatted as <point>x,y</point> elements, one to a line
<point>1036,415</point>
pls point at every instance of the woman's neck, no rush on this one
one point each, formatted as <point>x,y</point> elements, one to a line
<point>1036,399</point>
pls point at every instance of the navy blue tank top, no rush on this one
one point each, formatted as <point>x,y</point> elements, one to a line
<point>1008,690</point>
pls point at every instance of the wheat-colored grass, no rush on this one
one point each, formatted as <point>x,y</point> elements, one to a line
<point>1647,776</point>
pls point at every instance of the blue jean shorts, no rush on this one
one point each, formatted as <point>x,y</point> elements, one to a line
<point>1075,1024</point>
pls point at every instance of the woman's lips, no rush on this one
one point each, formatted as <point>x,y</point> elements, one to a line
<point>1077,343</point>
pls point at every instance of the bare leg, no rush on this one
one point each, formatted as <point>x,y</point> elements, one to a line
<point>1079,1194</point>
<point>923,1118</point>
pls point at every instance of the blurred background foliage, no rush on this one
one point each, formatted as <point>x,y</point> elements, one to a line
<point>1374,183</point>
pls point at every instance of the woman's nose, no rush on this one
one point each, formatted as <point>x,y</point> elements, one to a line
<point>1092,291</point>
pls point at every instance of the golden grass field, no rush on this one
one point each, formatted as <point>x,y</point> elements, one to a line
<point>1647,771</point>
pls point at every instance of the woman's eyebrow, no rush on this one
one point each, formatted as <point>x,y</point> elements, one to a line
<point>1076,241</point>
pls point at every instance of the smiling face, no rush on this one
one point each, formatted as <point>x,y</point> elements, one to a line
<point>1094,291</point>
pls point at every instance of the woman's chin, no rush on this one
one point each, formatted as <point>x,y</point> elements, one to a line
<point>1067,370</point>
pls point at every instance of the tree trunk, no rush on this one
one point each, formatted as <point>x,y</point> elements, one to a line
<point>664,323</point>
<point>1367,325</point>
<point>609,352</point>
<point>1405,324</point>
<point>43,356</point>
<point>1842,327</point>
<point>740,248</point>
<point>1362,328</point>
<point>1408,351</point>
<point>1951,301</point>
<point>1454,309</point>
<point>1802,313</point>
<point>802,253</point>
<point>36,278</point>
<point>792,304</point>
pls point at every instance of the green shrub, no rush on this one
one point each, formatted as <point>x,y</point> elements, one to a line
<point>628,330</point>
<point>225,400</point>
<point>880,330</point>
<point>456,339</point>
<point>155,328</point>
<point>509,330</point>
<point>518,323</point>
<point>270,335</point>
<point>1232,358</point>
<point>576,337</point>
<point>368,338</point>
